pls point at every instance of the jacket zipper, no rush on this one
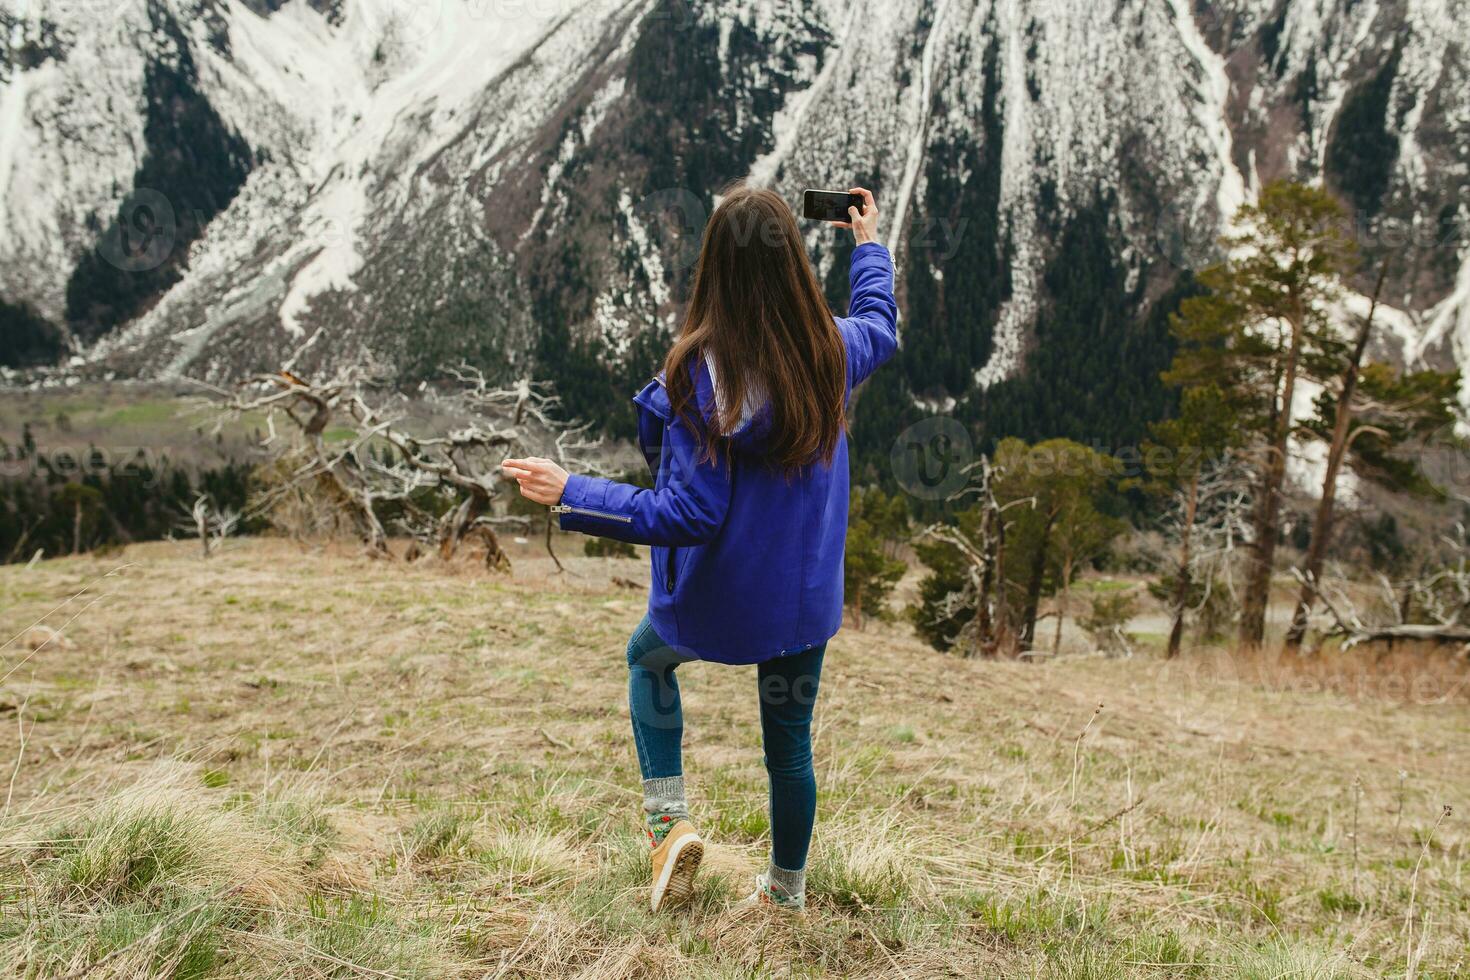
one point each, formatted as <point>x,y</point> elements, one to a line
<point>670,576</point>
<point>565,509</point>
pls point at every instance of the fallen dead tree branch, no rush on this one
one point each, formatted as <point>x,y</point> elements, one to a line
<point>1349,625</point>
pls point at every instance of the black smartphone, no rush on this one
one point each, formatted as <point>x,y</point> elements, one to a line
<point>830,205</point>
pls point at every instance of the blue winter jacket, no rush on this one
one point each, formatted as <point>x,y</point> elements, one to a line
<point>747,562</point>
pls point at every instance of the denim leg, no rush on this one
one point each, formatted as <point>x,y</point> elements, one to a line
<point>788,693</point>
<point>653,703</point>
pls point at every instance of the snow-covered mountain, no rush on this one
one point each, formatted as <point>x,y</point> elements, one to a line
<point>208,187</point>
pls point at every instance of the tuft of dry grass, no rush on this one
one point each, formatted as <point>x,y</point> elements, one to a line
<point>312,764</point>
<point>531,859</point>
<point>1412,674</point>
<point>159,833</point>
<point>871,866</point>
<point>146,881</point>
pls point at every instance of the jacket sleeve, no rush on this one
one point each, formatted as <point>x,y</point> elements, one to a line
<point>688,510</point>
<point>870,329</point>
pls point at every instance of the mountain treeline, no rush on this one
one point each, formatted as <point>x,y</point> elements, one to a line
<point>57,504</point>
<point>1197,397</point>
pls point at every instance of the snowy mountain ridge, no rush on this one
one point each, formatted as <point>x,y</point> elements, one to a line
<point>517,182</point>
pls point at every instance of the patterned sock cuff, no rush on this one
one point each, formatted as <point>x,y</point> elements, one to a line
<point>786,884</point>
<point>665,795</point>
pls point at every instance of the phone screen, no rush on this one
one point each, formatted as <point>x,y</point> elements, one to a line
<point>829,205</point>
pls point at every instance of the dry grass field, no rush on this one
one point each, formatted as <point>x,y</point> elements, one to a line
<point>290,762</point>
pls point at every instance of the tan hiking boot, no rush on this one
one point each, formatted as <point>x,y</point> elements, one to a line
<point>675,863</point>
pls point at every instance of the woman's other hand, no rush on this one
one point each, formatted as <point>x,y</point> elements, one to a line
<point>540,479</point>
<point>864,225</point>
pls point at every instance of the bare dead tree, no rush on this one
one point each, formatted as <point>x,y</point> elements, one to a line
<point>209,525</point>
<point>435,487</point>
<point>1211,519</point>
<point>1438,597</point>
<point>983,552</point>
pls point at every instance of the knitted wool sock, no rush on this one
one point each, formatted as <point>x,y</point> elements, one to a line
<point>663,806</point>
<point>786,886</point>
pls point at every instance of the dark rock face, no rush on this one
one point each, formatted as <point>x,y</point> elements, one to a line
<point>28,339</point>
<point>192,167</point>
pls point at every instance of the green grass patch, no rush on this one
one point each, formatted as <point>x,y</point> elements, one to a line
<point>445,834</point>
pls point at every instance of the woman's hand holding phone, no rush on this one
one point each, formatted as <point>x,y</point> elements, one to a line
<point>540,479</point>
<point>864,225</point>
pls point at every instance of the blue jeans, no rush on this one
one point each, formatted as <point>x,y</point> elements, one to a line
<point>788,692</point>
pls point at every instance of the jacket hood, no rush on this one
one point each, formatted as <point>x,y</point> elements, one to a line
<point>751,435</point>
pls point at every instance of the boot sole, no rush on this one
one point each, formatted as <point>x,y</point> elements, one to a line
<point>678,885</point>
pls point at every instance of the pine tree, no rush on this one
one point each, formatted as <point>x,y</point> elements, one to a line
<point>1375,414</point>
<point>1062,480</point>
<point>1263,325</point>
<point>877,524</point>
<point>1083,534</point>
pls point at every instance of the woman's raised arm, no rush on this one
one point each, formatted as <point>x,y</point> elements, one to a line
<point>870,329</point>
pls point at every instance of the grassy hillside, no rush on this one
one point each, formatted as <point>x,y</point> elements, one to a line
<point>121,418</point>
<point>288,762</point>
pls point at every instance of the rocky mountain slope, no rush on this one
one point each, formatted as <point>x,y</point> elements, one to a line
<point>208,187</point>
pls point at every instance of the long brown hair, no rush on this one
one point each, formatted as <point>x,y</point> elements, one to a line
<point>757,313</point>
